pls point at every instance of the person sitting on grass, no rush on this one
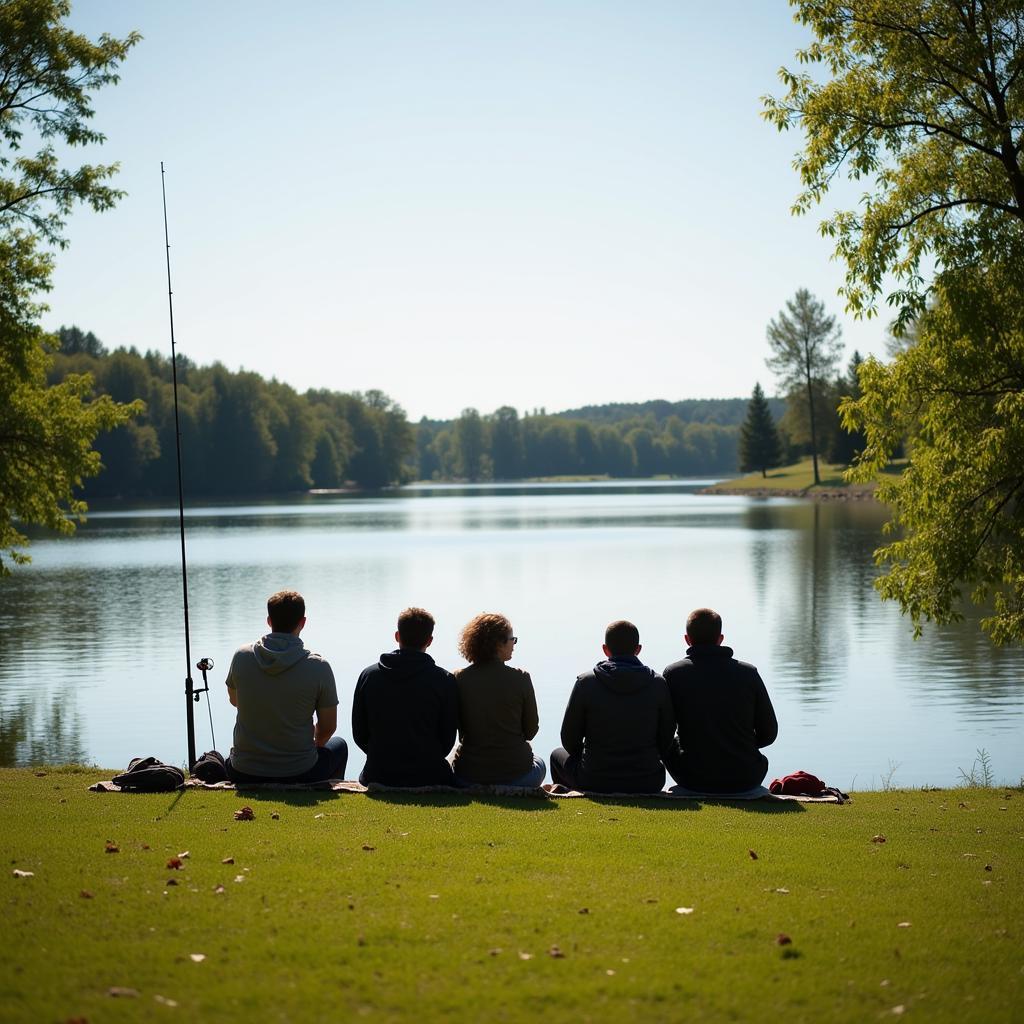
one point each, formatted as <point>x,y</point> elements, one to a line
<point>278,686</point>
<point>618,722</point>
<point>497,710</point>
<point>723,712</point>
<point>405,711</point>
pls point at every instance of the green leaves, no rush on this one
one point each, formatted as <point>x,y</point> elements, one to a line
<point>46,433</point>
<point>927,103</point>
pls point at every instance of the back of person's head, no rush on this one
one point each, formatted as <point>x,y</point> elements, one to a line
<point>622,638</point>
<point>482,636</point>
<point>286,610</point>
<point>704,626</point>
<point>415,628</point>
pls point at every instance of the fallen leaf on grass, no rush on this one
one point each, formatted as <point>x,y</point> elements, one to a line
<point>610,973</point>
<point>171,881</point>
<point>369,848</point>
<point>164,1001</point>
<point>174,864</point>
<point>197,957</point>
<point>684,910</point>
<point>144,846</point>
<point>988,867</point>
<point>898,1010</point>
<point>752,854</point>
<point>495,952</point>
<point>228,860</point>
<point>433,896</point>
<point>903,924</point>
<point>784,891</point>
<point>320,815</point>
<point>219,890</point>
<point>184,855</point>
<point>18,873</point>
<point>244,814</point>
<point>40,775</point>
<point>583,910</point>
<point>525,956</point>
<point>111,847</point>
<point>85,894</point>
<point>119,992</point>
<point>782,939</point>
<point>239,878</point>
<point>555,953</point>
<point>275,816</point>
<point>878,839</point>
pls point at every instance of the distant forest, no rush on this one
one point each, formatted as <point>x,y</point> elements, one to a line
<point>243,434</point>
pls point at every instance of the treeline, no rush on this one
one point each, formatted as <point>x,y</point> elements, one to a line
<point>243,434</point>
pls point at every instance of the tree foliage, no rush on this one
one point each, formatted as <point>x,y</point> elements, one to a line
<point>805,344</point>
<point>958,393</point>
<point>46,75</point>
<point>926,101</point>
<point>760,446</point>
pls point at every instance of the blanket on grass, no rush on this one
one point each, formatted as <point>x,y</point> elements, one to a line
<point>545,792</point>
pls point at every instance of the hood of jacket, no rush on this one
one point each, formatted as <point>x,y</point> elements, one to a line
<point>624,674</point>
<point>402,664</point>
<point>277,652</point>
<point>708,651</point>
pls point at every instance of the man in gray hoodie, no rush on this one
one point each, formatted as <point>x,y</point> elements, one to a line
<point>278,686</point>
<point>618,724</point>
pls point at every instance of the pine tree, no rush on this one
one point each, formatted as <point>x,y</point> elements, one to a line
<point>760,447</point>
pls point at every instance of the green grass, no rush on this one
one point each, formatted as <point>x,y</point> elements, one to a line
<point>797,477</point>
<point>412,907</point>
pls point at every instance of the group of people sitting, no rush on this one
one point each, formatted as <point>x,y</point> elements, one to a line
<point>704,719</point>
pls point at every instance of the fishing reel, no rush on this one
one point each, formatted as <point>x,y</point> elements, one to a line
<point>204,665</point>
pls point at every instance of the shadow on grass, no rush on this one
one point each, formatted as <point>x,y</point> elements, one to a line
<point>511,803</point>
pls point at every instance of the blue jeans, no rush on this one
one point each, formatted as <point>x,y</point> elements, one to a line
<point>330,764</point>
<point>529,780</point>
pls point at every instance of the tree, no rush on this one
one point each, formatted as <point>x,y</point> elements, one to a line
<point>760,447</point>
<point>471,441</point>
<point>847,444</point>
<point>46,433</point>
<point>927,100</point>
<point>806,344</point>
<point>959,395</point>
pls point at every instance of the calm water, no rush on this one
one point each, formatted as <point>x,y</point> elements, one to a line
<point>93,658</point>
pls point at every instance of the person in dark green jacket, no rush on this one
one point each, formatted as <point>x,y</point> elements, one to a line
<point>497,709</point>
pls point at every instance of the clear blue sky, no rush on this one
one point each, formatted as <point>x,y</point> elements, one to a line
<point>459,202</point>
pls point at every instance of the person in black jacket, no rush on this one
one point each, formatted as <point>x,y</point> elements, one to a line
<point>618,724</point>
<point>405,711</point>
<point>723,713</point>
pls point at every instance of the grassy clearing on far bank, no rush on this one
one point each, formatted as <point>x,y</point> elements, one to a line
<point>394,907</point>
<point>797,477</point>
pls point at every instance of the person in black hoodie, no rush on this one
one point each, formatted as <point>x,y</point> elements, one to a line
<point>618,724</point>
<point>723,712</point>
<point>405,711</point>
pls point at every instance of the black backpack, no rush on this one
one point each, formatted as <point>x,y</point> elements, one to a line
<point>210,767</point>
<point>150,775</point>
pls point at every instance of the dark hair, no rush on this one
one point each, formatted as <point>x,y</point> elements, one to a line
<point>415,627</point>
<point>286,610</point>
<point>704,626</point>
<point>483,635</point>
<point>622,638</point>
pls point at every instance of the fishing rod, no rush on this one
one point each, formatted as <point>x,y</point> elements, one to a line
<point>204,664</point>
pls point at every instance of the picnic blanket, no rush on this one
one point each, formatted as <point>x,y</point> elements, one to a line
<point>546,792</point>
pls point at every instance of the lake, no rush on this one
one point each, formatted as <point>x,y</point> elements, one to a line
<point>92,638</point>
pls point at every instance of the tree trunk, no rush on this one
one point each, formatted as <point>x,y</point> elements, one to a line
<point>814,432</point>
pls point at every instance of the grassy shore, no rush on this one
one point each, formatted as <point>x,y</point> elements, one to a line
<point>445,906</point>
<point>797,479</point>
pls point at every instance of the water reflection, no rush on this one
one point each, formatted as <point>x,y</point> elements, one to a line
<point>93,662</point>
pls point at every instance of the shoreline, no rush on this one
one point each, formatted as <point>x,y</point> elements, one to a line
<point>821,494</point>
